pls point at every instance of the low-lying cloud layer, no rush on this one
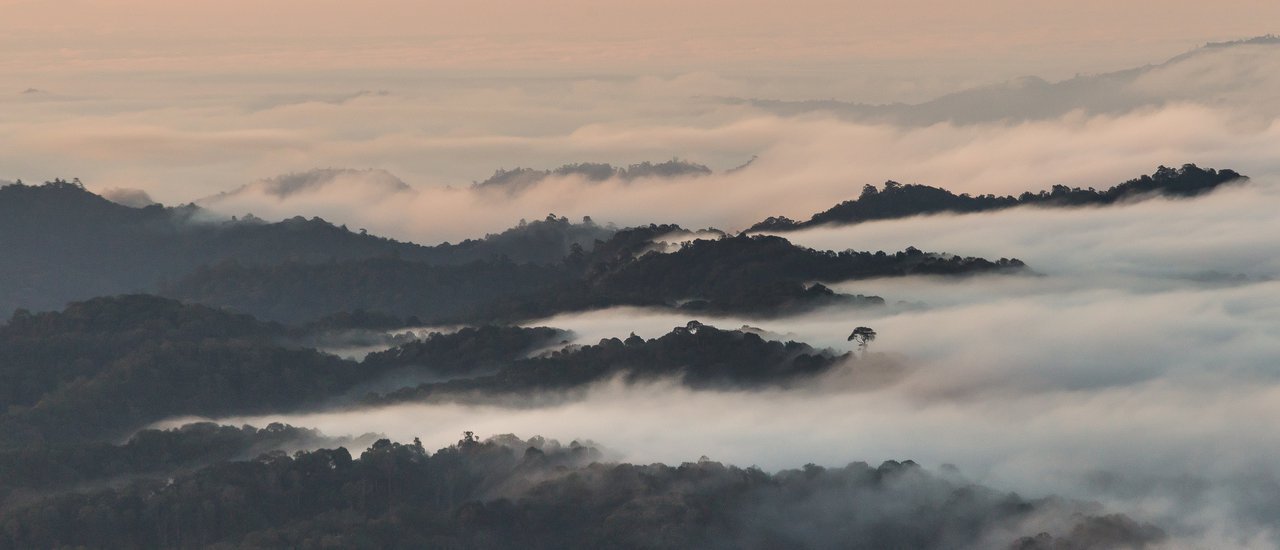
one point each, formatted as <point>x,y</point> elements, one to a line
<point>180,142</point>
<point>1126,372</point>
<point>805,165</point>
<point>1226,236</point>
<point>1228,73</point>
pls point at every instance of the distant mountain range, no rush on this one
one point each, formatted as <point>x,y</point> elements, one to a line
<point>64,243</point>
<point>1230,73</point>
<point>759,276</point>
<point>895,200</point>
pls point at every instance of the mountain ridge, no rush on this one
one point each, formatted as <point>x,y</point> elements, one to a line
<point>896,200</point>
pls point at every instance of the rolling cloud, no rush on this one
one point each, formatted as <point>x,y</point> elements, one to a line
<point>180,143</point>
<point>1124,373</point>
<point>806,165</point>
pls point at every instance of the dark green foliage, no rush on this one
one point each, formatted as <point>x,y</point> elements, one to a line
<point>545,241</point>
<point>62,243</point>
<point>1110,531</point>
<point>900,201</point>
<point>159,380</point>
<point>105,367</point>
<point>476,292</point>
<point>163,380</point>
<point>69,243</point>
<point>27,471</point>
<point>539,495</point>
<point>626,245</point>
<point>697,355</point>
<point>40,353</point>
<point>298,292</point>
<point>764,273</point>
<point>755,275</point>
<point>467,352</point>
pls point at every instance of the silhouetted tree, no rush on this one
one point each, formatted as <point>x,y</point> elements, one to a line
<point>863,336</point>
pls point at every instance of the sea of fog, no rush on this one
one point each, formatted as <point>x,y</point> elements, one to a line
<point>1137,366</point>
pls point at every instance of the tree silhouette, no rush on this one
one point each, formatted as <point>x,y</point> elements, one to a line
<point>469,439</point>
<point>863,336</point>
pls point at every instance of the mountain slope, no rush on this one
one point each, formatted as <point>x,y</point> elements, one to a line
<point>900,201</point>
<point>62,243</point>
<point>761,276</point>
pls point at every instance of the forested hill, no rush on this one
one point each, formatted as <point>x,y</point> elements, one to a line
<point>510,493</point>
<point>762,276</point>
<point>698,356</point>
<point>63,243</point>
<point>103,368</point>
<point>895,200</point>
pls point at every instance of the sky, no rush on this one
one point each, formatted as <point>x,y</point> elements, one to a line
<point>580,35</point>
<point>186,100</point>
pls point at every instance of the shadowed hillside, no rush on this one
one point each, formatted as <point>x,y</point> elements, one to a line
<point>900,201</point>
<point>509,493</point>
<point>62,243</point>
<point>762,276</point>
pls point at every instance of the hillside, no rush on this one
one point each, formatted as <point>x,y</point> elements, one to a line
<point>63,243</point>
<point>895,200</point>
<point>759,276</point>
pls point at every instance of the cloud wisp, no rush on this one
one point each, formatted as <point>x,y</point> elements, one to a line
<point>180,141</point>
<point>804,166</point>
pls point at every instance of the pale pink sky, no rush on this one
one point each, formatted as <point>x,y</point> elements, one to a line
<point>568,35</point>
<point>188,98</point>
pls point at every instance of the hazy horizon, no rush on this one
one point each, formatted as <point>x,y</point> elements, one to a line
<point>188,101</point>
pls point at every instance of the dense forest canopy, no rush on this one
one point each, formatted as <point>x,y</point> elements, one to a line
<point>34,471</point>
<point>763,276</point>
<point>103,368</point>
<point>896,200</point>
<point>507,493</point>
<point>247,308</point>
<point>302,270</point>
<point>697,355</point>
<point>63,243</point>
